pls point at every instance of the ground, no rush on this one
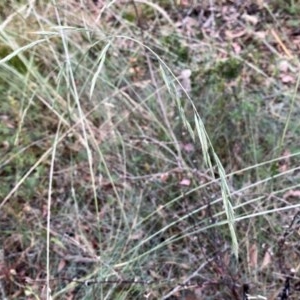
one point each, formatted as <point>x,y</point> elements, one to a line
<point>149,150</point>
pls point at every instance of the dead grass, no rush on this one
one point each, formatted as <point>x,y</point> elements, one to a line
<point>127,148</point>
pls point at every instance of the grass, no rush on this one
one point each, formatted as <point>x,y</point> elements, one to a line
<point>117,166</point>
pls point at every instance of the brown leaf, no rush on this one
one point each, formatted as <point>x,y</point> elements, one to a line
<point>267,259</point>
<point>232,35</point>
<point>61,265</point>
<point>253,254</point>
<point>284,164</point>
<point>189,147</point>
<point>236,48</point>
<point>285,78</point>
<point>292,193</point>
<point>184,3</point>
<point>164,177</point>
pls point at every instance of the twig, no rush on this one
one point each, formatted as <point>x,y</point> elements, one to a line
<point>188,279</point>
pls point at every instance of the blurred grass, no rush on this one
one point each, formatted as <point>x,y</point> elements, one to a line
<point>106,156</point>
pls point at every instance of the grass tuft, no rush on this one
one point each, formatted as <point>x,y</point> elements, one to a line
<point>145,155</point>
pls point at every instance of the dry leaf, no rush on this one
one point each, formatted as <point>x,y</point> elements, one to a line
<point>284,66</point>
<point>292,193</point>
<point>185,78</point>
<point>236,48</point>
<point>253,254</point>
<point>260,3</point>
<point>136,236</point>
<point>61,265</point>
<point>284,164</point>
<point>260,34</point>
<point>185,182</point>
<point>164,177</point>
<point>285,78</point>
<point>267,259</point>
<point>184,3</point>
<point>250,18</point>
<point>226,259</point>
<point>4,145</point>
<point>189,23</point>
<point>189,147</point>
<point>232,35</point>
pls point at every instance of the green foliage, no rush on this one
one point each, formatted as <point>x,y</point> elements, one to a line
<point>173,44</point>
<point>291,7</point>
<point>229,69</point>
<point>15,62</point>
<point>224,70</point>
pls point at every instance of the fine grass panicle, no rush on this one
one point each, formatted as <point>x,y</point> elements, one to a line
<point>149,150</point>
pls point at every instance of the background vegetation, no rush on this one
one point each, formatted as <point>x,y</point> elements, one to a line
<point>149,150</point>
